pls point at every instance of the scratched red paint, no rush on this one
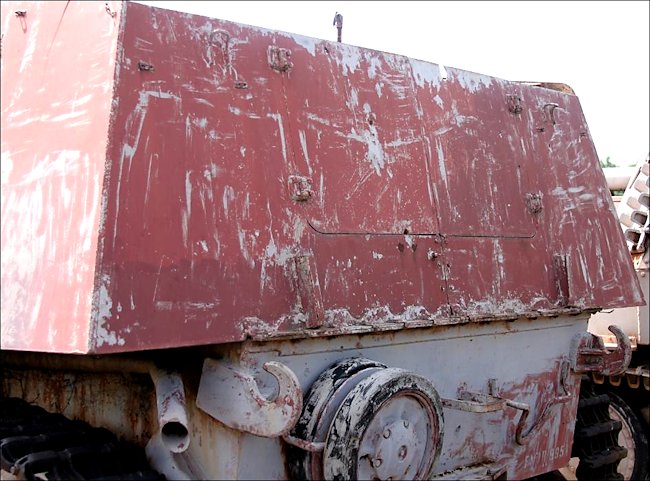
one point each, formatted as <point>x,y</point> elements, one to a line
<point>419,176</point>
<point>56,101</point>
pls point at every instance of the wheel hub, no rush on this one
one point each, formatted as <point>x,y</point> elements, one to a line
<point>395,451</point>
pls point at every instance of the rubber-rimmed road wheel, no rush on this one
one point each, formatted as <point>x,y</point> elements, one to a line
<point>389,426</point>
<point>320,405</point>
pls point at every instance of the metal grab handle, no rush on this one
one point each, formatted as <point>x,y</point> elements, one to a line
<point>521,438</point>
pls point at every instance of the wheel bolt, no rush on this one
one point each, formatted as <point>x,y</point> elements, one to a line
<point>376,463</point>
<point>403,451</point>
<point>386,434</point>
<point>406,424</point>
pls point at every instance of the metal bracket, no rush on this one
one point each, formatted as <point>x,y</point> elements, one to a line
<point>473,402</point>
<point>279,58</point>
<point>300,188</point>
<point>588,353</point>
<point>485,403</point>
<point>108,9</point>
<point>534,202</point>
<point>549,111</point>
<point>514,104</point>
<point>231,396</point>
<point>307,287</point>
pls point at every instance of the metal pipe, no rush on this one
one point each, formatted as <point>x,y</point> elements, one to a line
<point>172,413</point>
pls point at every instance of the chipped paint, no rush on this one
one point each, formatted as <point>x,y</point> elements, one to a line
<point>424,72</point>
<point>283,142</point>
<point>171,224</point>
<point>470,81</point>
<point>184,204</point>
<point>104,306</point>
<point>349,60</point>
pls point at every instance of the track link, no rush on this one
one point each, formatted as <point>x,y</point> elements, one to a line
<point>596,437</point>
<point>36,444</point>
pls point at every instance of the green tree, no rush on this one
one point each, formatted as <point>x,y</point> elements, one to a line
<point>607,163</point>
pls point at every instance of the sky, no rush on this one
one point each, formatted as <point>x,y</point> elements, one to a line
<point>599,48</point>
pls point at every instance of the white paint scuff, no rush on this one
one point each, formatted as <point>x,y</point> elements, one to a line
<point>187,212</point>
<point>278,119</point>
<point>375,152</point>
<point>104,315</point>
<point>303,145</point>
<point>426,73</point>
<point>470,81</point>
<point>350,58</point>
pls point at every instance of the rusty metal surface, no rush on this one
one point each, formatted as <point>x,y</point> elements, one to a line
<point>263,184</point>
<point>475,361</point>
<point>122,402</point>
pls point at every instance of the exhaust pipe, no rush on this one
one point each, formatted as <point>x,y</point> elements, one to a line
<point>172,414</point>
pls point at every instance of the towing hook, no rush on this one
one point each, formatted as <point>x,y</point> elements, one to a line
<point>230,394</point>
<point>588,353</point>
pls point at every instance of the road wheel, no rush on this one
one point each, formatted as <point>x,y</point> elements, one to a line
<point>374,422</point>
<point>389,426</point>
<point>320,406</point>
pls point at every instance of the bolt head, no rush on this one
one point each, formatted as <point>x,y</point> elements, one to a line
<point>403,451</point>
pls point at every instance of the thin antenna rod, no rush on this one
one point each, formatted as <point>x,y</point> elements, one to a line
<point>338,21</point>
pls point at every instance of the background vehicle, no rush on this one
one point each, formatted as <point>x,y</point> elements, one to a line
<point>629,391</point>
<point>261,255</point>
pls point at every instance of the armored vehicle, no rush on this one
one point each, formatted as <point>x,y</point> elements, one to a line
<point>258,255</point>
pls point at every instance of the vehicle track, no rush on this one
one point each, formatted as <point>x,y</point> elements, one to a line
<point>36,444</point>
